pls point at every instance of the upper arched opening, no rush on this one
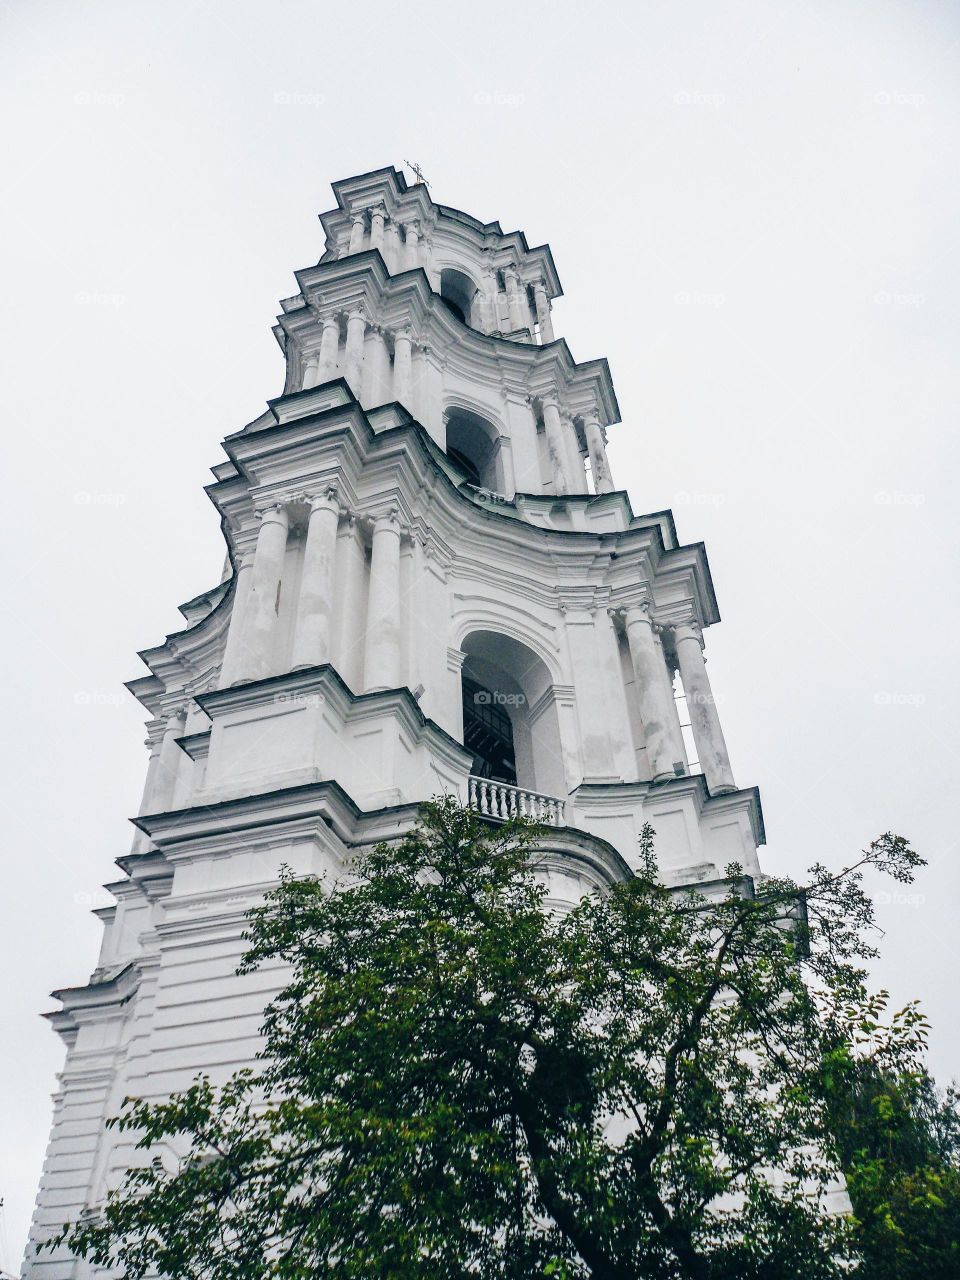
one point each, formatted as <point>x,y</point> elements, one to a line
<point>458,293</point>
<point>473,444</point>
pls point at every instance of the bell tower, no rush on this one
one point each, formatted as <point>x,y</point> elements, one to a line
<point>434,585</point>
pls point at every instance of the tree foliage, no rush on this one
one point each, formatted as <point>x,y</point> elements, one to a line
<point>459,1082</point>
<point>900,1148</point>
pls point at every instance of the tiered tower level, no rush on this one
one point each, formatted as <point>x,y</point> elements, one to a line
<point>434,586</point>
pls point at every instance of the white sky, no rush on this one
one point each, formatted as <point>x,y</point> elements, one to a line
<point>753,209</point>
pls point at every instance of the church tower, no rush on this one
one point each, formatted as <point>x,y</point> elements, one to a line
<point>434,586</point>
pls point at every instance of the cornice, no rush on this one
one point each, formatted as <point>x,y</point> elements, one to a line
<point>407,299</point>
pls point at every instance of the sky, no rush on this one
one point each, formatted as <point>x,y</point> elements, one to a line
<point>753,210</point>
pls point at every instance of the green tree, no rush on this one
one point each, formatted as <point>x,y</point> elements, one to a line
<point>900,1150</point>
<point>457,1082</point>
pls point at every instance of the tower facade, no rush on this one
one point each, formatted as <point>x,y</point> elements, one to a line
<point>434,586</point>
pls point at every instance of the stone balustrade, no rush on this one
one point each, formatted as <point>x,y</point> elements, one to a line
<point>500,800</point>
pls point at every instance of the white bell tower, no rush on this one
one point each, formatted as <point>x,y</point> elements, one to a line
<point>434,586</point>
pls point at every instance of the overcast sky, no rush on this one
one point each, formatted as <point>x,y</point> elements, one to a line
<point>753,210</point>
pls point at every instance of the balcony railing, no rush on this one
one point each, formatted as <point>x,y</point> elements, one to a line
<point>500,800</point>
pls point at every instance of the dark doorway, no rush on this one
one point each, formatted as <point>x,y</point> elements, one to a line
<point>488,733</point>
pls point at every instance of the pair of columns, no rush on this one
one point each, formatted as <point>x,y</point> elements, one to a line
<point>249,653</point>
<point>250,640</point>
<point>321,365</point>
<point>564,450</point>
<point>385,236</point>
<point>658,709</point>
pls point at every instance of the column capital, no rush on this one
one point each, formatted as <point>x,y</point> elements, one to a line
<point>324,498</point>
<point>634,609</point>
<point>688,629</point>
<point>360,215</point>
<point>271,510</point>
<point>388,520</point>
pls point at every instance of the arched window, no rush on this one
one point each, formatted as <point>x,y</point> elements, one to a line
<point>457,292</point>
<point>473,444</point>
<point>510,718</point>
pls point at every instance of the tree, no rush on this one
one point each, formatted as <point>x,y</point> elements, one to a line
<point>900,1150</point>
<point>457,1082</point>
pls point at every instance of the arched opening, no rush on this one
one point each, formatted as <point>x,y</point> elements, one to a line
<point>510,719</point>
<point>473,444</point>
<point>457,292</point>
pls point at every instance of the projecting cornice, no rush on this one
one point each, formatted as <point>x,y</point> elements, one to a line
<point>388,189</point>
<point>322,436</point>
<point>406,300</point>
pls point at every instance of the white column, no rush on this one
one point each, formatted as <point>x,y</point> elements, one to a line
<point>141,841</point>
<point>403,368</point>
<point>543,311</point>
<point>356,233</point>
<point>311,642</point>
<point>164,778</point>
<point>658,708</point>
<point>356,331</point>
<point>707,734</point>
<point>553,427</point>
<point>310,364</point>
<point>376,375</point>
<point>599,465</point>
<point>351,597</point>
<point>329,346</point>
<point>381,653</point>
<point>230,667</point>
<point>571,444</point>
<point>377,217</point>
<point>426,259</point>
<point>391,246</point>
<point>411,249</point>
<point>517,318</point>
<point>255,659</point>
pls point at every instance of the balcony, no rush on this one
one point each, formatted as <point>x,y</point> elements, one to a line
<point>499,800</point>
